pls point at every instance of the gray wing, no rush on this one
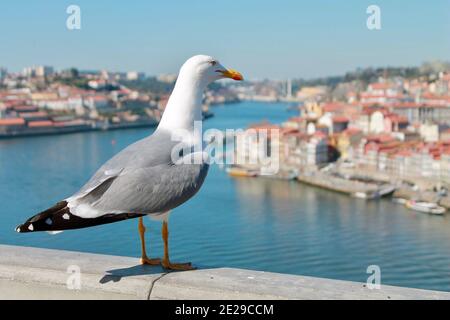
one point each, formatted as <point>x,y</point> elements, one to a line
<point>148,152</point>
<point>140,179</point>
<point>151,190</point>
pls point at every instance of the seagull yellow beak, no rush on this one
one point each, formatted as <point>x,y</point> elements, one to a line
<point>232,74</point>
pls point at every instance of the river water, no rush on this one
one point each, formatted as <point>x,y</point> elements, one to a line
<point>255,223</point>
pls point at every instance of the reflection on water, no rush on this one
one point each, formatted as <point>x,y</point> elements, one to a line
<point>256,223</point>
<point>336,236</point>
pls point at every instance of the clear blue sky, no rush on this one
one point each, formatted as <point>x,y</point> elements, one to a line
<point>275,39</point>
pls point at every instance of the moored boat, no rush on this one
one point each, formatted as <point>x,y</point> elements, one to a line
<point>399,200</point>
<point>426,207</point>
<point>386,190</point>
<point>361,195</point>
<point>382,191</point>
<point>241,172</point>
<point>281,174</point>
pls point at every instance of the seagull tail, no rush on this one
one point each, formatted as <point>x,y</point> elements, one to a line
<point>59,218</point>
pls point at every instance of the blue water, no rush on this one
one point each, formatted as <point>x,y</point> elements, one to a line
<point>254,223</point>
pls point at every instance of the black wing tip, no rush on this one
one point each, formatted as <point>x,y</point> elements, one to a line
<point>25,227</point>
<point>34,223</point>
<point>59,217</point>
<point>65,220</point>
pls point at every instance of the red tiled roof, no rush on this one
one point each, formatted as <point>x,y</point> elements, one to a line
<point>319,134</point>
<point>34,124</point>
<point>340,119</point>
<point>368,110</point>
<point>381,137</point>
<point>351,131</point>
<point>380,85</point>
<point>397,118</point>
<point>332,106</point>
<point>12,122</point>
<point>404,153</point>
<point>98,97</point>
<point>288,131</point>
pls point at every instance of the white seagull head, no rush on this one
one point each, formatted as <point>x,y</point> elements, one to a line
<point>184,107</point>
<point>206,69</point>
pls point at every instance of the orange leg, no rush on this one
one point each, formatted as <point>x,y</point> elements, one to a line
<point>166,261</point>
<point>144,258</point>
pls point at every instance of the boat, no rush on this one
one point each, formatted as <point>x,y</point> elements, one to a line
<point>426,207</point>
<point>386,190</point>
<point>399,200</point>
<point>361,195</point>
<point>241,172</point>
<point>382,191</point>
<point>281,174</point>
<point>288,175</point>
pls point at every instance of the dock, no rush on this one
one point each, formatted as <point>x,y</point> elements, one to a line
<point>335,183</point>
<point>87,127</point>
<point>33,273</point>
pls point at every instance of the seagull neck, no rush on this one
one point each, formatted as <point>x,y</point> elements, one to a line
<point>184,106</point>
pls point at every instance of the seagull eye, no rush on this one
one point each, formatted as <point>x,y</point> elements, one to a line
<point>213,62</point>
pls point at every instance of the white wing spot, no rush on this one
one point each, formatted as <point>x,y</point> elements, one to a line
<point>66,216</point>
<point>54,232</point>
<point>30,227</point>
<point>113,172</point>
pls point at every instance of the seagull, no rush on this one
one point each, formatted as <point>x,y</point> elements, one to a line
<point>144,179</point>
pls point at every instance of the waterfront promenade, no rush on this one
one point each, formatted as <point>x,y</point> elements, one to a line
<point>32,273</point>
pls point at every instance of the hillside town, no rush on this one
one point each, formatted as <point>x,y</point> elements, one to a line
<point>367,133</point>
<point>391,135</point>
<point>40,100</point>
<point>402,126</point>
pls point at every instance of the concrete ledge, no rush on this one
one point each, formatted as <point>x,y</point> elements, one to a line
<point>32,273</point>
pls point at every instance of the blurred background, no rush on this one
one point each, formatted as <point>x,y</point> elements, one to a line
<point>359,92</point>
